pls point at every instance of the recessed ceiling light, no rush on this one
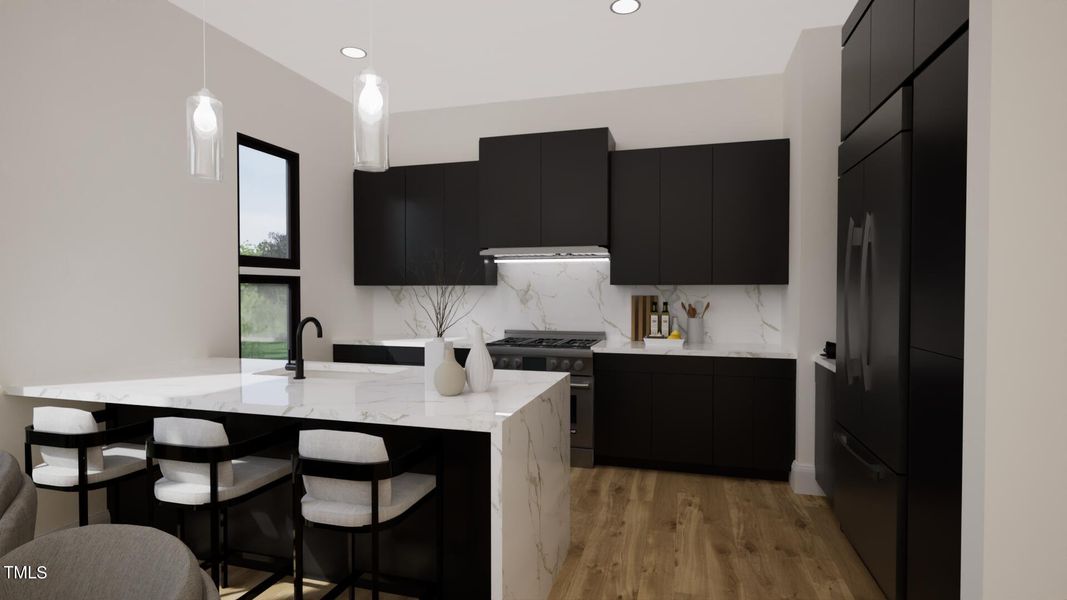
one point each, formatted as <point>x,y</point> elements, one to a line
<point>353,52</point>
<point>625,7</point>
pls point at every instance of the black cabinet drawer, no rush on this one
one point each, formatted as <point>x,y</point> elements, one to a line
<point>869,504</point>
<point>756,367</point>
<point>696,365</point>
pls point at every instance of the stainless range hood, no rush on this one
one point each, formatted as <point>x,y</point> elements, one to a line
<point>548,253</point>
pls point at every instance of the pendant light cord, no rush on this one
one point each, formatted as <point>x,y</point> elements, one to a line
<point>203,38</point>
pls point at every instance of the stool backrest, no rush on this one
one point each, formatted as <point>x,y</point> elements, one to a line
<point>71,421</point>
<point>179,431</point>
<point>345,446</point>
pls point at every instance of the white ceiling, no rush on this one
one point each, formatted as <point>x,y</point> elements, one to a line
<point>440,53</point>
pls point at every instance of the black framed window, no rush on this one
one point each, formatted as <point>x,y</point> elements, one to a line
<point>268,201</point>
<point>270,309</point>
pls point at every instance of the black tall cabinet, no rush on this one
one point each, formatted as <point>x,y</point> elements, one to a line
<point>896,440</point>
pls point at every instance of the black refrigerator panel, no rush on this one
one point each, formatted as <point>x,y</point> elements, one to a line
<point>939,205</point>
<point>935,476</point>
<point>869,505</point>
<point>883,301</point>
<point>851,213</point>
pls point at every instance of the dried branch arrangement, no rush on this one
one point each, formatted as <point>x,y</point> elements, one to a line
<point>443,302</point>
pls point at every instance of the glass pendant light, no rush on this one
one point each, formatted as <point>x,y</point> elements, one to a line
<point>203,122</point>
<point>370,115</point>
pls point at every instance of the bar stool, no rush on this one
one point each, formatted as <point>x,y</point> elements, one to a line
<point>354,486</point>
<point>202,470</point>
<point>79,456</point>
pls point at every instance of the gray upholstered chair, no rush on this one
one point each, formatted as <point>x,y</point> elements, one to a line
<point>18,505</point>
<point>113,562</point>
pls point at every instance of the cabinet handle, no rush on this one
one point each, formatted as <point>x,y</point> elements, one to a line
<point>876,470</point>
<point>865,300</point>
<point>853,238</point>
<point>580,386</point>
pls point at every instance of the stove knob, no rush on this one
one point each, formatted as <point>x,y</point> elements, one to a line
<point>552,364</point>
<point>566,366</point>
<point>579,365</point>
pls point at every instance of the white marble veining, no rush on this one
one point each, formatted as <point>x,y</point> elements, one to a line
<point>690,349</point>
<point>578,296</point>
<point>826,363</point>
<point>525,413</point>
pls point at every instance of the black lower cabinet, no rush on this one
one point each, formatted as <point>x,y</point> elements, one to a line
<point>679,413</point>
<point>935,476</point>
<point>622,415</point>
<point>682,418</point>
<point>412,356</point>
<point>869,505</point>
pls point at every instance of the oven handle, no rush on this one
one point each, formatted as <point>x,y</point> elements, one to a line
<point>581,386</point>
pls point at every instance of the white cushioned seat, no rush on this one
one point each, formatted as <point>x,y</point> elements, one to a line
<point>348,503</point>
<point>249,474</point>
<point>118,460</point>
<point>408,489</point>
<point>71,421</point>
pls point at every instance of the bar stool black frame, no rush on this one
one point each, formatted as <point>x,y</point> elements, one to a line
<point>82,442</point>
<point>277,567</point>
<point>373,473</point>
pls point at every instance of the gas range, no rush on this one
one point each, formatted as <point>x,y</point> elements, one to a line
<point>559,351</point>
<point>570,351</point>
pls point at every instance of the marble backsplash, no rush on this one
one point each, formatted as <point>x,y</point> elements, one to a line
<point>578,296</point>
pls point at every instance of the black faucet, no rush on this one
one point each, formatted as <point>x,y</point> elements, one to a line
<point>298,345</point>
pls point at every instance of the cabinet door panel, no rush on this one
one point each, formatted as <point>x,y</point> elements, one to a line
<point>892,46</point>
<point>379,215</point>
<point>935,22</point>
<point>424,234</point>
<point>623,415</point>
<point>733,417</point>
<point>685,215</point>
<point>856,77</point>
<point>574,188</point>
<point>463,264</point>
<point>510,191</point>
<point>635,217</point>
<point>751,213</point>
<point>939,205</point>
<point>773,424</point>
<point>682,419</point>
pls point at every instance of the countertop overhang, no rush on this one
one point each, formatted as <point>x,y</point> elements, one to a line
<point>385,394</point>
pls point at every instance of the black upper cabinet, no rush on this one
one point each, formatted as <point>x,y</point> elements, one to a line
<point>635,217</point>
<point>462,262</point>
<point>423,234</point>
<point>935,22</point>
<point>685,215</point>
<point>379,228</point>
<point>856,76</point>
<point>509,205</point>
<point>574,187</point>
<point>750,233</point>
<point>892,46</point>
<point>939,204</point>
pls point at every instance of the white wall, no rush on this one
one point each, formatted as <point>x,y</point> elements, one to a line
<point>1015,399</point>
<point>812,122</point>
<point>109,254</point>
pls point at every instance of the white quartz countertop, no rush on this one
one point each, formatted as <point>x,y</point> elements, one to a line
<point>387,394</point>
<point>714,350</point>
<point>399,342</point>
<point>826,363</point>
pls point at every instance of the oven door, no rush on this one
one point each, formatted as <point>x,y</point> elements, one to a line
<point>581,421</point>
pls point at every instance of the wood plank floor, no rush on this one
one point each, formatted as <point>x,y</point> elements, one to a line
<point>654,535</point>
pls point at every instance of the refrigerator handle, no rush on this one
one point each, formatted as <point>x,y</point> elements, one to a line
<point>853,238</point>
<point>865,300</point>
<point>875,469</point>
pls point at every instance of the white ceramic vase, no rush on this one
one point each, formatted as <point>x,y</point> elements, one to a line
<point>434,356</point>
<point>479,363</point>
<point>448,379</point>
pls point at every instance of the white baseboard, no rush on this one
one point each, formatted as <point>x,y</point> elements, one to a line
<point>802,480</point>
<point>95,518</point>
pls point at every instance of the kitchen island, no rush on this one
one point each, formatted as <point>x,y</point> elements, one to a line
<point>506,450</point>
